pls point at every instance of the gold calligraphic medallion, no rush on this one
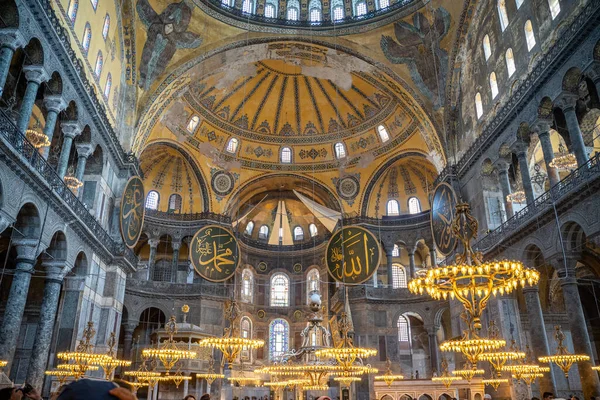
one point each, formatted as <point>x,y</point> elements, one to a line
<point>214,253</point>
<point>443,210</point>
<point>353,255</point>
<point>131,216</point>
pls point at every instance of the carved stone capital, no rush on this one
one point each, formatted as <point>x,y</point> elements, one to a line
<point>27,249</point>
<point>11,38</point>
<point>55,270</point>
<point>541,126</point>
<point>176,245</point>
<point>71,128</point>
<point>520,148</point>
<point>84,149</point>
<point>566,101</point>
<point>54,103</point>
<point>35,73</point>
<point>502,165</point>
<point>153,243</point>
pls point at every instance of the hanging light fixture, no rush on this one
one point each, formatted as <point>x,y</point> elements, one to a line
<point>167,352</point>
<point>83,358</point>
<point>110,363</point>
<point>446,378</point>
<point>37,139</point>
<point>3,364</point>
<point>495,379</point>
<point>525,368</point>
<point>210,375</point>
<point>499,357</point>
<point>60,375</point>
<point>468,372</point>
<point>518,195</point>
<point>346,381</point>
<point>71,181</point>
<point>563,358</point>
<point>564,161</point>
<point>389,377</point>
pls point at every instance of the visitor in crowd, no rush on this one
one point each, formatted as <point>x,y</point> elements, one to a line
<point>205,396</point>
<point>534,398</point>
<point>189,397</point>
<point>548,396</point>
<point>19,393</point>
<point>91,389</point>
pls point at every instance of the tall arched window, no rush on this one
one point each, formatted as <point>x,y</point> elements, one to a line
<point>298,233</point>
<point>529,35</point>
<point>249,228</point>
<point>232,145</point>
<point>152,200</point>
<point>271,9</point>
<point>383,133</point>
<point>247,293</point>
<point>554,8</point>
<point>175,203</point>
<point>72,10</point>
<point>87,38</point>
<point>312,283</point>
<point>384,4</point>
<point>361,8</point>
<point>263,232</point>
<point>502,14</point>
<point>403,329</point>
<point>286,155</point>
<point>313,230</point>
<point>414,205</point>
<point>94,4</point>
<point>193,123</point>
<point>398,276</point>
<point>519,3</point>
<point>337,10</point>
<point>246,331</point>
<point>248,6</point>
<point>107,86</point>
<point>106,26</point>
<point>314,10</point>
<point>510,62</point>
<point>396,251</point>
<point>393,207</point>
<point>280,288</point>
<point>278,338</point>
<point>493,85</point>
<point>293,10</point>
<point>478,105</point>
<point>340,150</point>
<point>99,63</point>
<point>487,48</point>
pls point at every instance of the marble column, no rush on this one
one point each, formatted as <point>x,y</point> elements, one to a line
<point>390,273</point>
<point>54,104</point>
<point>152,257</point>
<point>432,256</point>
<point>577,325</point>
<point>15,305</point>
<point>43,336</point>
<point>84,150</point>
<point>10,40</point>
<point>520,149</point>
<point>543,131</point>
<point>411,263</point>
<point>186,386</point>
<point>567,103</point>
<point>433,349</point>
<point>502,167</point>
<point>128,328</point>
<point>35,75</point>
<point>175,264</point>
<point>70,130</point>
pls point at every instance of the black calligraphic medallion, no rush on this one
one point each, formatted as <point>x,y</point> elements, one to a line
<point>131,215</point>
<point>443,210</point>
<point>214,253</point>
<point>353,255</point>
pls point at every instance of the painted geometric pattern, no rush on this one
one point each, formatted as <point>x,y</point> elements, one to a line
<point>409,186</point>
<point>393,184</point>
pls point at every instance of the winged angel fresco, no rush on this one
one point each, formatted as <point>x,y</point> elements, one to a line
<point>416,45</point>
<point>167,32</point>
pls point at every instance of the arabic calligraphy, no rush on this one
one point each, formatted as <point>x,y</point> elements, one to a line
<point>132,211</point>
<point>214,253</point>
<point>442,215</point>
<point>353,255</point>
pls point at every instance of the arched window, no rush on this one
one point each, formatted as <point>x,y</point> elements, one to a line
<point>280,288</point>
<point>384,4</point>
<point>99,63</point>
<point>396,251</point>
<point>502,14</point>
<point>152,200</point>
<point>87,38</point>
<point>263,232</point>
<point>175,203</point>
<point>554,8</point>
<point>312,283</point>
<point>340,150</point>
<point>298,233</point>
<point>361,8</point>
<point>106,26</point>
<point>278,338</point>
<point>247,286</point>
<point>193,123</point>
<point>72,10</point>
<point>529,35</point>
<point>94,4</point>
<point>292,13</point>
<point>162,270</point>
<point>270,10</point>
<point>337,10</point>
<point>313,230</point>
<point>510,62</point>
<point>226,3</point>
<point>383,133</point>
<point>248,6</point>
<point>478,105</point>
<point>403,329</point>
<point>493,85</point>
<point>414,205</point>
<point>249,228</point>
<point>286,155</point>
<point>393,207</point>
<point>107,86</point>
<point>232,145</point>
<point>487,48</point>
<point>398,276</point>
<point>519,3</point>
<point>246,331</point>
<point>315,15</point>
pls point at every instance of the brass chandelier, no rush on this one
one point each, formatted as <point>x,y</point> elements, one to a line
<point>37,139</point>
<point>210,376</point>
<point>110,363</point>
<point>563,358</point>
<point>83,359</point>
<point>446,378</point>
<point>499,357</point>
<point>564,161</point>
<point>468,371</point>
<point>167,352</point>
<point>389,377</point>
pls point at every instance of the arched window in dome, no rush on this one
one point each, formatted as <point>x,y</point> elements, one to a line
<point>493,85</point>
<point>529,35</point>
<point>519,3</point>
<point>271,9</point>
<point>279,331</point>
<point>403,329</point>
<point>193,123</point>
<point>249,228</point>
<point>247,292</point>
<point>175,203</point>
<point>107,86</point>
<point>502,14</point>
<point>248,6</point>
<point>87,38</point>
<point>398,276</point>
<point>232,145</point>
<point>99,63</point>
<point>337,10</point>
<point>360,8</point>
<point>263,232</point>
<point>384,4</point>
<point>414,205</point>
<point>383,133</point>
<point>478,105</point>
<point>315,10</point>
<point>393,207</point>
<point>396,251</point>
<point>292,13</point>
<point>72,10</point>
<point>312,283</point>
<point>246,331</point>
<point>510,62</point>
<point>554,8</point>
<point>106,26</point>
<point>298,233</point>
<point>152,200</point>
<point>487,48</point>
<point>340,150</point>
<point>313,230</point>
<point>280,290</point>
<point>226,3</point>
<point>286,155</point>
<point>94,4</point>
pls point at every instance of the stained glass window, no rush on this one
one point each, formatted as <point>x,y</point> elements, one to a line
<point>246,330</point>
<point>72,10</point>
<point>107,86</point>
<point>278,338</point>
<point>398,276</point>
<point>152,200</point>
<point>280,288</point>
<point>106,26</point>
<point>87,38</point>
<point>247,286</point>
<point>99,63</point>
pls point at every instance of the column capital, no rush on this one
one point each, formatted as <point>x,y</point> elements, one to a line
<point>54,270</point>
<point>11,38</point>
<point>565,266</point>
<point>541,126</point>
<point>35,73</point>
<point>566,101</point>
<point>27,249</point>
<point>84,149</point>
<point>531,289</point>
<point>176,245</point>
<point>520,148</point>
<point>153,243</point>
<point>71,128</point>
<point>54,103</point>
<point>129,326</point>
<point>502,165</point>
<point>593,71</point>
